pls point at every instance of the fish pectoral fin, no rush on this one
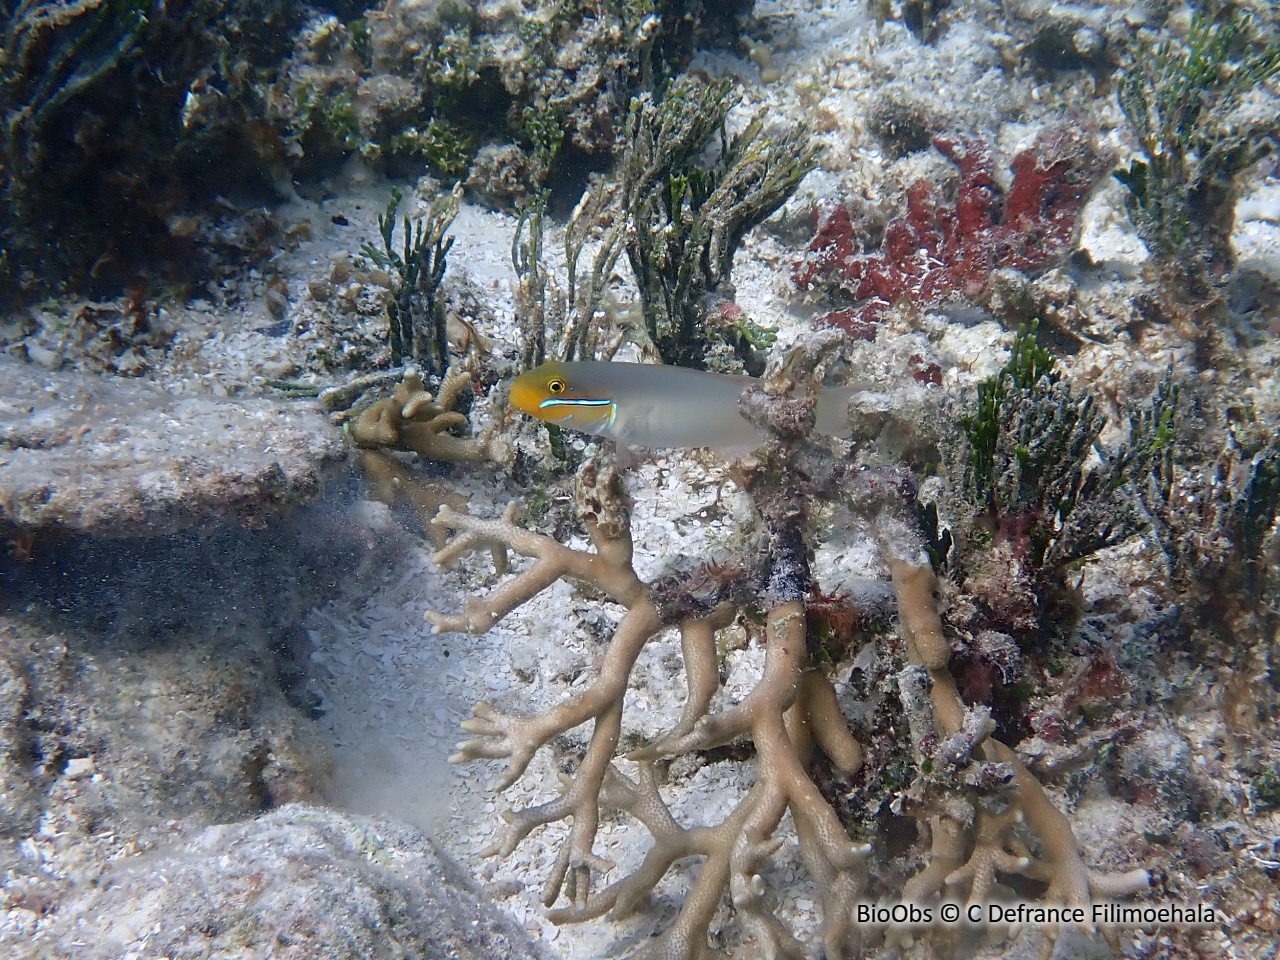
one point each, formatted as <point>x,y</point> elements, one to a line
<point>626,456</point>
<point>736,452</point>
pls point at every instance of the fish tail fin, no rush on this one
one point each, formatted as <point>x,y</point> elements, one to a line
<point>833,410</point>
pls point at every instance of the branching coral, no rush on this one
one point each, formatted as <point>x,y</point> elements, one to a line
<point>414,420</point>
<point>791,710</point>
<point>996,843</point>
<point>934,255</point>
<point>988,815</point>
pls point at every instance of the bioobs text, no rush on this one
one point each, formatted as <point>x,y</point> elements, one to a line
<point>897,913</point>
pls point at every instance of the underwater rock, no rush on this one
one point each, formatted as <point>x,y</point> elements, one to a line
<point>109,750</point>
<point>297,882</point>
<point>19,806</point>
<point>120,117</point>
<point>99,746</point>
<point>94,456</point>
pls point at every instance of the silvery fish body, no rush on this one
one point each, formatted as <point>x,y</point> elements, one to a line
<point>649,405</point>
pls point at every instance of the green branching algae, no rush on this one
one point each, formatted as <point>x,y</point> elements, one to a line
<point>446,148</point>
<point>1215,524</point>
<point>689,217</point>
<point>543,128</point>
<point>1181,99</point>
<point>1043,492</point>
<point>680,219</point>
<point>1028,363</point>
<point>51,53</point>
<point>416,311</point>
<point>531,289</point>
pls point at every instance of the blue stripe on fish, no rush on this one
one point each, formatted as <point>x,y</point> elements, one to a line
<point>555,402</point>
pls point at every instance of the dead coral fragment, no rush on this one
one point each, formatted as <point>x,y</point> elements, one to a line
<point>935,254</point>
<point>414,420</point>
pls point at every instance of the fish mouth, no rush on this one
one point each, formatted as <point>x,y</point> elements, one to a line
<point>525,397</point>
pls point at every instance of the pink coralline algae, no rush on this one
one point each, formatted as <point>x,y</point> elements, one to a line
<point>937,253</point>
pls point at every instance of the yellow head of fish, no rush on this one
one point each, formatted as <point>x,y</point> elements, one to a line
<point>567,394</point>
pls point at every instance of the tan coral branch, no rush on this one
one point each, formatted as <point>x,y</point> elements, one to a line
<point>1059,862</point>
<point>790,711</point>
<point>609,567</point>
<point>413,419</point>
<point>518,738</point>
<point>702,677</point>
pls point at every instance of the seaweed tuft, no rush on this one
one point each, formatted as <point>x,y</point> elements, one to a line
<point>1182,100</point>
<point>416,311</point>
<point>689,215</point>
<point>1042,492</point>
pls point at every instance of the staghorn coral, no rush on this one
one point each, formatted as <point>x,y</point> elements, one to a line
<point>996,843</point>
<point>935,255</point>
<point>791,710</point>
<point>986,813</point>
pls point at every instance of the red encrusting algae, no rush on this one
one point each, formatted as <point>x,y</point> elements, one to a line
<point>936,253</point>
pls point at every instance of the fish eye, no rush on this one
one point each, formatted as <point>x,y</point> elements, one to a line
<point>556,385</point>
